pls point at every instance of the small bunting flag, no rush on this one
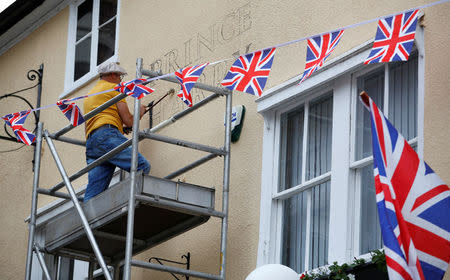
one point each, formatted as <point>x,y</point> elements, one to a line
<point>249,72</point>
<point>140,91</point>
<point>318,50</point>
<point>16,121</point>
<point>188,77</point>
<point>71,111</point>
<point>127,87</point>
<point>394,38</point>
<point>134,88</point>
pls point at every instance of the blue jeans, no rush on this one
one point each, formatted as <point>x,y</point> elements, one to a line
<point>99,143</point>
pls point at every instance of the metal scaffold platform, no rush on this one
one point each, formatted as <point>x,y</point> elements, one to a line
<point>165,209</point>
<point>133,214</point>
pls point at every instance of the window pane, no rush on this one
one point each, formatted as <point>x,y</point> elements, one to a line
<point>108,9</point>
<point>316,202</point>
<point>370,233</point>
<point>319,137</point>
<point>84,19</point>
<point>320,215</point>
<point>291,149</point>
<point>106,41</point>
<point>82,58</point>
<point>403,97</point>
<point>294,231</point>
<point>373,84</point>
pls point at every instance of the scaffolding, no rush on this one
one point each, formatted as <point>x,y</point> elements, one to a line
<point>95,233</point>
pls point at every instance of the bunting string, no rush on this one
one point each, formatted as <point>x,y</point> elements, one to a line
<point>172,74</point>
<point>255,62</point>
<point>359,24</point>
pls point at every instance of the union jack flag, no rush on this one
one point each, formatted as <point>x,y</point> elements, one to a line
<point>394,38</point>
<point>71,111</point>
<point>134,88</point>
<point>249,72</point>
<point>127,87</point>
<point>16,121</point>
<point>188,77</point>
<point>318,49</point>
<point>140,91</point>
<point>413,206</point>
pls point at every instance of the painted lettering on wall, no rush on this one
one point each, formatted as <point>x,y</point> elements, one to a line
<point>195,50</point>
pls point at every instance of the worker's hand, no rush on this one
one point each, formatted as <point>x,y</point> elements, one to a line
<point>127,129</point>
<point>143,108</point>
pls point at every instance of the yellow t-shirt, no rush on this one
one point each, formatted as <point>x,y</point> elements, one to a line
<point>108,116</point>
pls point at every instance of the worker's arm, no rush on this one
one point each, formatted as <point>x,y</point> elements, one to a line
<point>125,115</point>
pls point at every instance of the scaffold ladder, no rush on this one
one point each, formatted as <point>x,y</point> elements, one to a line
<point>133,198</point>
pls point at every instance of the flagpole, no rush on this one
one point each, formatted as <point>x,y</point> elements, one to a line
<point>365,98</point>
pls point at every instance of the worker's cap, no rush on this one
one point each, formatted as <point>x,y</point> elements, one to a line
<point>111,67</point>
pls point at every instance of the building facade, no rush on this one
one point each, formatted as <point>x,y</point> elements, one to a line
<point>301,189</point>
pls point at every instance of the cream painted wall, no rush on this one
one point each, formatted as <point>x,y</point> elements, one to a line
<point>45,45</point>
<point>173,34</point>
<point>437,99</point>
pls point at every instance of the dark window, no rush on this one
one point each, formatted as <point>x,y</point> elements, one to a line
<point>94,28</point>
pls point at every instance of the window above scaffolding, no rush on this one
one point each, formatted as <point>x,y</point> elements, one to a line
<point>92,40</point>
<point>317,195</point>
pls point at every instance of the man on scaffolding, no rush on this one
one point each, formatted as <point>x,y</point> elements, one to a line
<point>105,131</point>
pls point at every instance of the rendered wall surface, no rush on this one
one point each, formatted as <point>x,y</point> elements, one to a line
<point>437,99</point>
<point>46,45</point>
<point>172,34</point>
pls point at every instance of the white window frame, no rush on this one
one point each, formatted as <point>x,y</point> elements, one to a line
<point>270,243</point>
<point>69,84</point>
<point>337,76</point>
<point>280,196</point>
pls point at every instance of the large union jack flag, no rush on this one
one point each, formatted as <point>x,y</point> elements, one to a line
<point>394,38</point>
<point>249,72</point>
<point>16,121</point>
<point>188,77</point>
<point>413,206</point>
<point>71,111</point>
<point>318,50</point>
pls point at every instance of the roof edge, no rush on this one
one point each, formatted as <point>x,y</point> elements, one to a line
<point>30,22</point>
